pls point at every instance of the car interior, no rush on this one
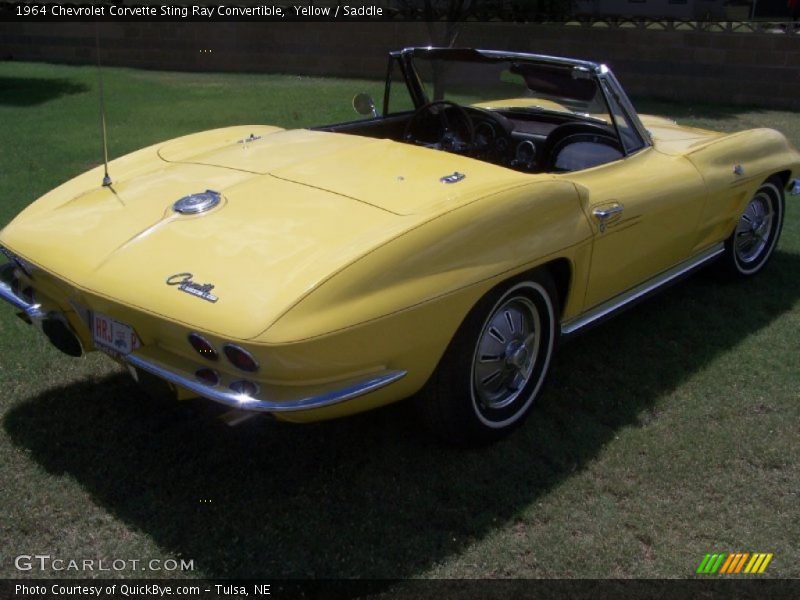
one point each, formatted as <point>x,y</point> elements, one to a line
<point>536,136</point>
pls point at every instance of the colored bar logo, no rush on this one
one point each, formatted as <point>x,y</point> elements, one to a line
<point>734,563</point>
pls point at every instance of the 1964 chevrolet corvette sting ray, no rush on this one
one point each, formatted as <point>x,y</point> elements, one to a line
<point>439,251</point>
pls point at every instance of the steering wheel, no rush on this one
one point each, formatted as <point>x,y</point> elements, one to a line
<point>570,133</point>
<point>446,134</point>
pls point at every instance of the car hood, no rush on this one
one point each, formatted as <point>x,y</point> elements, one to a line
<point>671,138</point>
<point>292,214</point>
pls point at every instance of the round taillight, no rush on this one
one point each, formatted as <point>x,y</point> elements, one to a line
<point>242,386</point>
<point>203,347</point>
<point>240,358</point>
<point>207,376</point>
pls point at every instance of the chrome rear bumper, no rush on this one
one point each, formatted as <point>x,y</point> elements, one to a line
<point>227,397</point>
<point>248,403</point>
<point>7,293</point>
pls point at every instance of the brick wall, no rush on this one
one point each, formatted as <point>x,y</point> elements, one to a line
<point>754,68</point>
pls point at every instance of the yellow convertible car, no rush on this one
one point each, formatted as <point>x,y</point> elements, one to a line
<point>437,248</point>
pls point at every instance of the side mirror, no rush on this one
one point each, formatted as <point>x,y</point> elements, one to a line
<point>363,104</point>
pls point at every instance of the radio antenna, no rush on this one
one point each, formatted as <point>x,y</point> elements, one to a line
<point>106,178</point>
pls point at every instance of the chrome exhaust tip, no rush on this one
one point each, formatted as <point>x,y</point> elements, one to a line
<point>61,336</point>
<point>794,187</point>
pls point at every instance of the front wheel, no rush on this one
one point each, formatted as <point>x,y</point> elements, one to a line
<point>496,364</point>
<point>753,241</point>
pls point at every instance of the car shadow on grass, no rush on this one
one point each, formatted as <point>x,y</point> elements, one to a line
<point>31,91</point>
<point>373,495</point>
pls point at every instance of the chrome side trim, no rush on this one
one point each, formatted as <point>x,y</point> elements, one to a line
<point>244,402</point>
<point>795,189</point>
<point>33,310</point>
<point>609,307</point>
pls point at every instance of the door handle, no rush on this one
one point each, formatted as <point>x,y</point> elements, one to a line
<point>605,213</point>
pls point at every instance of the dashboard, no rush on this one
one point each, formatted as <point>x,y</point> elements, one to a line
<point>541,143</point>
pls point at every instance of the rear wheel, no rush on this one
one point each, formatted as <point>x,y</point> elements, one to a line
<point>496,364</point>
<point>753,241</point>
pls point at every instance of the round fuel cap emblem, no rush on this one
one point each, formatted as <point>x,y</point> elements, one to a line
<point>197,203</point>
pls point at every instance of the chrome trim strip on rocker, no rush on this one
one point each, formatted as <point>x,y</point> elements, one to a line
<point>605,309</point>
<point>33,310</point>
<point>244,402</point>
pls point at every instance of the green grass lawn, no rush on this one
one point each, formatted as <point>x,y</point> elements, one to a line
<point>665,434</point>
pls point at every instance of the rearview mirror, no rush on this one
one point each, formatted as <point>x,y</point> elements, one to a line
<point>363,104</point>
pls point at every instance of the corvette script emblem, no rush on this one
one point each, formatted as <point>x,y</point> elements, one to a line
<point>185,284</point>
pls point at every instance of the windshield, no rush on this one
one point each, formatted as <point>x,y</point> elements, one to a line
<point>512,84</point>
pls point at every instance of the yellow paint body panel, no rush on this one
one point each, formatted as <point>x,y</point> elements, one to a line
<point>335,256</point>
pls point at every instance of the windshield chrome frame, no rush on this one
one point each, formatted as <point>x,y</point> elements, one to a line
<point>613,84</point>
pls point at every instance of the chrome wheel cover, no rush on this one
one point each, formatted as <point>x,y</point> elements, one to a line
<point>754,229</point>
<point>506,352</point>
